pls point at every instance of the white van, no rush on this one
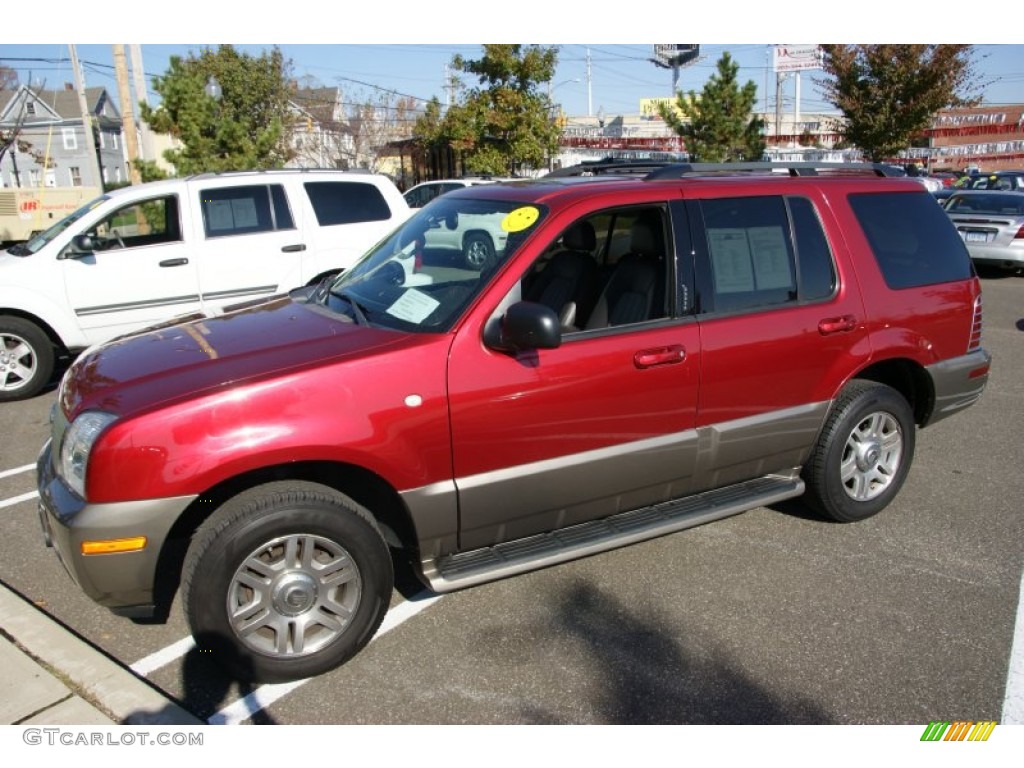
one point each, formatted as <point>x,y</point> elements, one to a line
<point>146,253</point>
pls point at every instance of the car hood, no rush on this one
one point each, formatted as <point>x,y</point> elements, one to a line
<point>200,353</point>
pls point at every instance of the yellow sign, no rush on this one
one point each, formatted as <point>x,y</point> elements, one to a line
<point>520,219</point>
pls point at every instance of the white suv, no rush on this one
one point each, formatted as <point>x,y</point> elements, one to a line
<point>146,253</point>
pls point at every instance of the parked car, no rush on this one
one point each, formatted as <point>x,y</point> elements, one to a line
<point>142,254</point>
<point>991,224</point>
<point>477,239</point>
<point>423,193</point>
<point>642,356</point>
<point>1000,180</point>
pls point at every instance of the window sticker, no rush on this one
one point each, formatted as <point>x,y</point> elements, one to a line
<point>771,259</point>
<point>413,306</point>
<point>520,219</point>
<point>730,260</point>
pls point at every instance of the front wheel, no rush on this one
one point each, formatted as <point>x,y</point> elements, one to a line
<point>863,454</point>
<point>478,250</point>
<point>26,358</point>
<point>286,581</point>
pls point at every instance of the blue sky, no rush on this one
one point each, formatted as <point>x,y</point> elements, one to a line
<point>363,54</point>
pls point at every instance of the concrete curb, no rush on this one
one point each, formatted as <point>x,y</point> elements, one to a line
<point>62,675</point>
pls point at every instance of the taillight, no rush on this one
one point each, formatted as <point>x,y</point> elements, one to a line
<point>1020,234</point>
<point>975,341</point>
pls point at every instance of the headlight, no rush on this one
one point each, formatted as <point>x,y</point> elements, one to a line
<point>77,444</point>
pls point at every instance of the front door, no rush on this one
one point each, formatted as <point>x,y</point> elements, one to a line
<point>139,272</point>
<point>602,424</point>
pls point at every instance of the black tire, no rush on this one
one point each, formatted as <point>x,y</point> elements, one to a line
<point>269,620</point>
<point>863,454</point>
<point>26,358</point>
<point>478,251</point>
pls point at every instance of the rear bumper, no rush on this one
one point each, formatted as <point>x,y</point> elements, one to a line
<point>123,581</point>
<point>958,383</point>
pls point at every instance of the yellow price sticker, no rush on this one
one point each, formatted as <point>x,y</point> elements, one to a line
<point>520,219</point>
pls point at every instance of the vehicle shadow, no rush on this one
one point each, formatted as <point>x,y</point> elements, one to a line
<point>651,676</point>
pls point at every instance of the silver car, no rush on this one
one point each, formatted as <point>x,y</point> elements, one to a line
<point>991,224</point>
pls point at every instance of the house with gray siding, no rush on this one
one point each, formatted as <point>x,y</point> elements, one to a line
<point>50,148</point>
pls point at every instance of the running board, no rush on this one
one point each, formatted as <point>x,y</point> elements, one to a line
<point>478,566</point>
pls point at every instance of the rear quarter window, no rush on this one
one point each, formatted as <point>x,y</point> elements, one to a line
<point>345,202</point>
<point>912,239</point>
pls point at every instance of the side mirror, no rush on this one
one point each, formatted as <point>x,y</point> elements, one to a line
<point>82,244</point>
<point>526,325</point>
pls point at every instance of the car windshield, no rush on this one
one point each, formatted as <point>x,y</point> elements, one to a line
<point>34,244</point>
<point>426,273</point>
<point>1010,204</point>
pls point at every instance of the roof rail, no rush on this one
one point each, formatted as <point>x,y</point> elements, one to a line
<point>678,170</point>
<point>274,171</point>
<point>611,166</point>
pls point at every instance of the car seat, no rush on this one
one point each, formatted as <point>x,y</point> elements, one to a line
<point>636,286</point>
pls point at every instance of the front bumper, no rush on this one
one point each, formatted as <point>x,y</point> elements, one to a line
<point>123,581</point>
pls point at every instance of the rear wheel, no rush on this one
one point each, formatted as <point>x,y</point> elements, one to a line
<point>863,454</point>
<point>26,358</point>
<point>287,581</point>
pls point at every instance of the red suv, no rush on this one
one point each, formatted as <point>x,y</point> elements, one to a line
<point>641,355</point>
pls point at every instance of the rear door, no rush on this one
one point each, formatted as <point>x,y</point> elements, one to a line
<point>249,240</point>
<point>780,330</point>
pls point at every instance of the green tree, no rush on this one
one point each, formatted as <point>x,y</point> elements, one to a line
<point>890,93</point>
<point>506,122</point>
<point>718,125</point>
<point>247,128</point>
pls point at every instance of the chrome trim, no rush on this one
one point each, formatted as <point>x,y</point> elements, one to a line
<point>258,290</point>
<point>168,302</point>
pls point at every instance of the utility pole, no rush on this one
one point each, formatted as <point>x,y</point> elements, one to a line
<point>139,85</point>
<point>83,104</point>
<point>124,94</point>
<point>590,99</point>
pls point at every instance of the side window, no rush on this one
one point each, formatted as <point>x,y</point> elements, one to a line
<point>244,210</point>
<point>346,202</point>
<point>814,257</point>
<point>750,252</point>
<point>151,222</point>
<point>913,240</point>
<point>607,269</point>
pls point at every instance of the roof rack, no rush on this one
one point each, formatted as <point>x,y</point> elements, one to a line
<point>678,170</point>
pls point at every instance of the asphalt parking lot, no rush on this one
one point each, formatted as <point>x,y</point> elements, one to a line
<point>770,617</point>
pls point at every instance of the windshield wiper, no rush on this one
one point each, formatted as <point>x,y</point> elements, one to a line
<point>357,310</point>
<point>18,249</point>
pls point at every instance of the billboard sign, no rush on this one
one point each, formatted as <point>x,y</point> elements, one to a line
<point>794,58</point>
<point>675,54</point>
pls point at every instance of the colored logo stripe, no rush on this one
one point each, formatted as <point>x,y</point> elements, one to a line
<point>958,730</point>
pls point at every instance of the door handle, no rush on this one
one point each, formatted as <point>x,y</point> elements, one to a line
<point>293,248</point>
<point>173,262</point>
<point>837,324</point>
<point>670,355</point>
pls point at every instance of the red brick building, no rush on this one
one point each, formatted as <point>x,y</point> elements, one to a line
<point>989,137</point>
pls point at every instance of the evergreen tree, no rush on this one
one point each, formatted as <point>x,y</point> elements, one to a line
<point>889,93</point>
<point>247,128</point>
<point>506,122</point>
<point>718,125</point>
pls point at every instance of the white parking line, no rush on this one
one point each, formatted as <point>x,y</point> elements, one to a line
<point>163,657</point>
<point>16,471</point>
<point>266,695</point>
<point>18,499</point>
<point>1013,702</point>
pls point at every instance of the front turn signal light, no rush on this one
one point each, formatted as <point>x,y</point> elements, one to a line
<point>112,546</point>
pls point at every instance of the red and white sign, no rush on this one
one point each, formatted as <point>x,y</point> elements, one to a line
<point>794,58</point>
